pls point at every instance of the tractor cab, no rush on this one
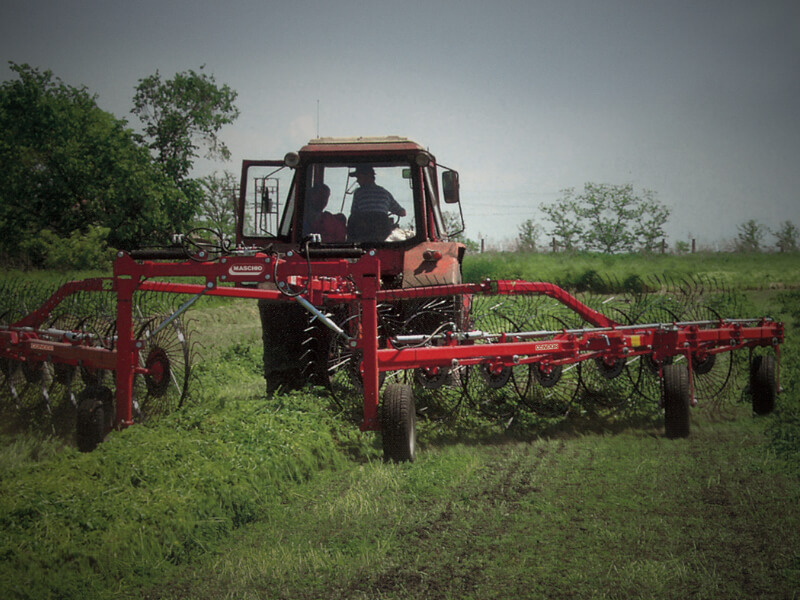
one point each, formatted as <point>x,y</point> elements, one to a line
<point>385,194</point>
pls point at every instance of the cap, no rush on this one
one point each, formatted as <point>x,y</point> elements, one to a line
<point>362,170</point>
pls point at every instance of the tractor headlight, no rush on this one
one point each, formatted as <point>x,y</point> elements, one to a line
<point>291,160</point>
<point>422,160</point>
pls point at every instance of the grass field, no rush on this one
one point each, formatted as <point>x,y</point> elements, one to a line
<point>741,271</point>
<point>240,496</point>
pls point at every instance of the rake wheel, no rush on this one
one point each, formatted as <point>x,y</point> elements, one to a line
<point>95,410</point>
<point>10,369</point>
<point>438,390</point>
<point>165,353</point>
<point>101,330</point>
<point>712,372</point>
<point>26,382</point>
<point>342,366</point>
<point>552,388</point>
<point>158,379</point>
<point>495,389</point>
<point>644,370</point>
<point>606,384</point>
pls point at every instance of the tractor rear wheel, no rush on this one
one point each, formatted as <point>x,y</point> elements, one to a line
<point>676,401</point>
<point>399,423</point>
<point>763,384</point>
<point>282,330</point>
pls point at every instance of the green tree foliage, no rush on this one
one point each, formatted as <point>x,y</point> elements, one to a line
<point>182,114</point>
<point>682,247</point>
<point>787,236</point>
<point>68,166</point>
<point>607,218</point>
<point>79,250</point>
<point>217,208</point>
<point>567,228</point>
<point>750,237</point>
<point>527,236</point>
<point>454,223</point>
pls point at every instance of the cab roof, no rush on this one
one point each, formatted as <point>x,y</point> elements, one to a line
<point>390,143</point>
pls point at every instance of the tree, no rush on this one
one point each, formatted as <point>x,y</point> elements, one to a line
<point>750,236</point>
<point>651,216</point>
<point>68,166</point>
<point>563,214</point>
<point>217,208</point>
<point>787,237</point>
<point>607,218</point>
<point>181,114</point>
<point>454,223</point>
<point>527,236</point>
<point>681,247</point>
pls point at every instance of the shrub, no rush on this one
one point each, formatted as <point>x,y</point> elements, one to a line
<point>81,250</point>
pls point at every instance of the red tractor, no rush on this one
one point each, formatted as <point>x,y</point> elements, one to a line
<point>339,198</point>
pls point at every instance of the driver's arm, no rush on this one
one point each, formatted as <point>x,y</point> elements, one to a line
<point>394,207</point>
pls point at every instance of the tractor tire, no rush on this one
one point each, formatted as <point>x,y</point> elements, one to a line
<point>282,331</point>
<point>763,384</point>
<point>399,423</point>
<point>94,404</point>
<point>676,401</point>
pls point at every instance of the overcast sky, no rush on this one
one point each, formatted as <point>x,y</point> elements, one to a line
<point>696,100</point>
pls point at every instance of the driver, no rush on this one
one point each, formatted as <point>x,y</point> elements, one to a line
<point>369,217</point>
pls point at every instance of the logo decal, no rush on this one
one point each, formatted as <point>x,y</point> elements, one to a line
<point>545,346</point>
<point>42,347</point>
<point>252,269</point>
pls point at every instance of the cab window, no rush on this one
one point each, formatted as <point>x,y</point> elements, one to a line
<point>268,201</point>
<point>360,203</point>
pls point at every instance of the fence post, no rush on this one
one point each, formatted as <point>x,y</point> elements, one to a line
<point>693,245</point>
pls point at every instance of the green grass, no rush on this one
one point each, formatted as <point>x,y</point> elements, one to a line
<point>152,496</point>
<point>243,497</point>
<point>739,271</point>
<point>609,516</point>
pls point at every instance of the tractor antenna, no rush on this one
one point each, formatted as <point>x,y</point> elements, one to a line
<point>318,118</point>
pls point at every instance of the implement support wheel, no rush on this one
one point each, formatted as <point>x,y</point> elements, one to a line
<point>94,406</point>
<point>676,401</point>
<point>399,423</point>
<point>763,386</point>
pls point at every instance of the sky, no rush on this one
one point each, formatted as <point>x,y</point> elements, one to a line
<point>698,101</point>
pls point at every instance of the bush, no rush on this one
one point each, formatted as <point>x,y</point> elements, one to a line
<point>81,250</point>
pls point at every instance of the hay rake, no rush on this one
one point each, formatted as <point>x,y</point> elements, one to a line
<point>114,351</point>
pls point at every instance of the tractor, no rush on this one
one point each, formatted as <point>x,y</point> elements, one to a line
<point>280,208</point>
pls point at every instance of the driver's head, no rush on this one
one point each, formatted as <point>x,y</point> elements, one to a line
<point>318,199</point>
<point>363,174</point>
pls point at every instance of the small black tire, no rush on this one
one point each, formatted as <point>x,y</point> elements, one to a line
<point>763,384</point>
<point>90,428</point>
<point>399,423</point>
<point>677,399</point>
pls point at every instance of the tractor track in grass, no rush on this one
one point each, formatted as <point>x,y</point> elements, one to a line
<point>625,515</point>
<point>465,525</point>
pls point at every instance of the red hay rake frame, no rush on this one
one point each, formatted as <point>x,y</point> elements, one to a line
<point>356,282</point>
